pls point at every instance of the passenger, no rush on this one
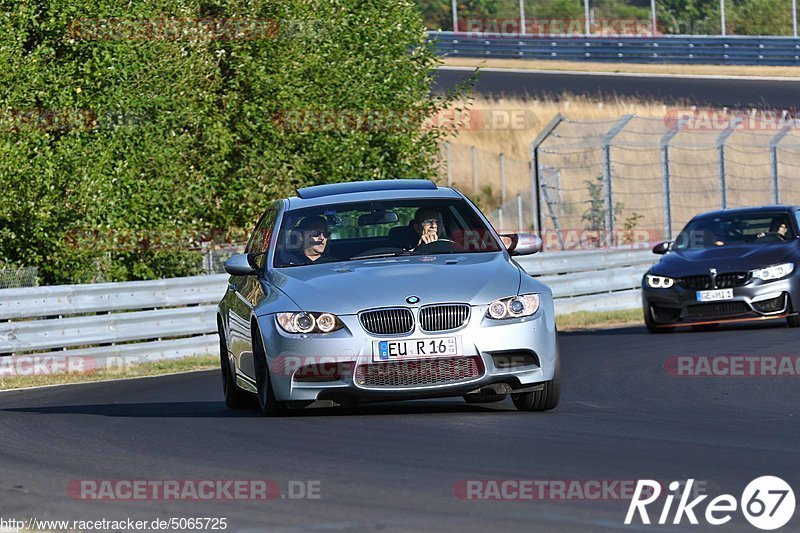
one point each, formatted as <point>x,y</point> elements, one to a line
<point>314,235</point>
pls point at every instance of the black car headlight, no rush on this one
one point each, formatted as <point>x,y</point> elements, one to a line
<point>513,307</point>
<point>771,273</point>
<point>659,282</point>
<point>309,322</point>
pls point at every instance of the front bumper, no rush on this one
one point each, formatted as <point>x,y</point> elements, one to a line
<point>756,300</point>
<point>499,356</point>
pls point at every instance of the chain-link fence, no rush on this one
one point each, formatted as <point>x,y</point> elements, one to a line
<point>614,178</point>
<point>11,278</point>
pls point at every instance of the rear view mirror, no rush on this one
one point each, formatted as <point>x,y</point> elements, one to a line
<point>662,247</point>
<point>378,217</point>
<point>522,243</point>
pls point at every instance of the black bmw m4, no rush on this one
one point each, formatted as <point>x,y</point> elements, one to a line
<point>727,266</point>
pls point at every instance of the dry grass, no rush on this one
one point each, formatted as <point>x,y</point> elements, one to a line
<point>574,157</point>
<point>675,69</point>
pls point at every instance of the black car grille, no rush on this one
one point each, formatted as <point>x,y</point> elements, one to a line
<point>419,373</point>
<point>443,317</point>
<point>727,280</point>
<point>717,310</point>
<point>387,321</point>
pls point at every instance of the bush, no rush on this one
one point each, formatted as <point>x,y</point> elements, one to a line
<point>179,136</point>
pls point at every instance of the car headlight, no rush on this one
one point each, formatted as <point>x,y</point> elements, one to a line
<point>773,272</point>
<point>514,307</point>
<point>659,282</point>
<point>309,322</point>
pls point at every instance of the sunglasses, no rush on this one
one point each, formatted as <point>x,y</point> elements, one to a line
<point>431,221</point>
<point>316,233</point>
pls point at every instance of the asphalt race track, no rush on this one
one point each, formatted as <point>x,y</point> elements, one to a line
<point>393,467</point>
<point>780,94</point>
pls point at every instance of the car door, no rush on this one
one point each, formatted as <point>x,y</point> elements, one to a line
<point>248,291</point>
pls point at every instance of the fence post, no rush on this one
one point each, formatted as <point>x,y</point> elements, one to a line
<point>665,183</point>
<point>474,170</point>
<point>519,212</point>
<point>500,219</point>
<point>454,7</point>
<point>522,17</point>
<point>723,185</point>
<point>536,171</point>
<point>773,156</point>
<point>609,195</point>
<point>449,160</point>
<point>502,180</point>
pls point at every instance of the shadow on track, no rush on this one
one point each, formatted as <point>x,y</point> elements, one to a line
<point>218,409</point>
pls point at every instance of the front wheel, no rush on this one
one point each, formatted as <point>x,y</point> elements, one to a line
<point>234,397</point>
<point>793,320</point>
<point>653,328</point>
<point>267,403</point>
<point>542,400</point>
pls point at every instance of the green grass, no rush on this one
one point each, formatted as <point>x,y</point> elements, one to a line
<point>154,368</point>
<point>599,319</point>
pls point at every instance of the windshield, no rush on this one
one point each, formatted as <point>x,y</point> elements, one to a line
<point>754,228</point>
<point>366,230</point>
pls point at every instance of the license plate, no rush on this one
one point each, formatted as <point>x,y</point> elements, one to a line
<point>408,348</point>
<point>715,295</point>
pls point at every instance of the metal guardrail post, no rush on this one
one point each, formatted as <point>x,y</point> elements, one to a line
<point>536,177</point>
<point>608,138</point>
<point>666,187</point>
<point>773,157</point>
<point>723,185</point>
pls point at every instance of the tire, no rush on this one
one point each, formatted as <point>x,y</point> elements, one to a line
<point>793,321</point>
<point>542,400</point>
<point>235,398</point>
<point>267,403</point>
<point>653,328</point>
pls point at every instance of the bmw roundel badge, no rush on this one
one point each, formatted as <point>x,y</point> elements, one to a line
<point>413,299</point>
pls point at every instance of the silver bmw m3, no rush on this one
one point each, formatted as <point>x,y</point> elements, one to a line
<point>384,290</point>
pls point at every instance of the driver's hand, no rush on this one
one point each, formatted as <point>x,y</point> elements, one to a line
<point>761,235</point>
<point>428,238</point>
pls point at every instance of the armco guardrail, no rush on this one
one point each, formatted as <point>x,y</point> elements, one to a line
<point>732,50</point>
<point>161,319</point>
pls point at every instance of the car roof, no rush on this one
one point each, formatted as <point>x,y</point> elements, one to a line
<point>360,191</point>
<point>746,211</point>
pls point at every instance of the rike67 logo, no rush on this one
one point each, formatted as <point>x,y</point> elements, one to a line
<point>767,503</point>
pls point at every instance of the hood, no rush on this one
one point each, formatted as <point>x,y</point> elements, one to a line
<point>352,286</point>
<point>724,258</point>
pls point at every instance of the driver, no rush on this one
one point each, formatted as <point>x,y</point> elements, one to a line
<point>778,228</point>
<point>426,223</point>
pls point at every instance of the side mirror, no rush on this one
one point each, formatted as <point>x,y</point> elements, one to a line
<point>522,243</point>
<point>662,247</point>
<point>240,265</point>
